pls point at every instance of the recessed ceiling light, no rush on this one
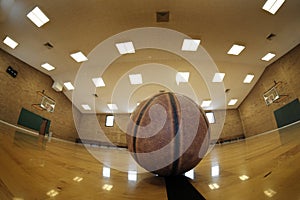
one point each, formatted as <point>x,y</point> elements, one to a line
<point>112,106</point>
<point>218,77</point>
<point>79,57</point>
<point>248,78</point>
<point>86,107</point>
<point>98,82</point>
<point>135,79</point>
<point>190,45</point>
<point>38,17</point>
<point>182,77</point>
<point>47,66</point>
<point>10,42</point>
<point>268,56</point>
<point>69,86</point>
<point>205,103</point>
<point>125,48</point>
<point>232,102</point>
<point>272,6</point>
<point>236,49</point>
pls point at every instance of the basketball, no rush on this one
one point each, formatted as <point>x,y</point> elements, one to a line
<point>168,134</point>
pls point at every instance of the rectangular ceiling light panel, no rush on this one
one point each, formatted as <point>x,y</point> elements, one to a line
<point>205,103</point>
<point>135,79</point>
<point>236,49</point>
<point>47,66</point>
<point>79,57</point>
<point>182,77</point>
<point>190,45</point>
<point>248,78</point>
<point>98,82</point>
<point>69,86</point>
<point>232,102</point>
<point>268,56</point>
<point>86,107</point>
<point>218,77</point>
<point>125,48</point>
<point>10,42</point>
<point>272,6</point>
<point>112,106</point>
<point>38,17</point>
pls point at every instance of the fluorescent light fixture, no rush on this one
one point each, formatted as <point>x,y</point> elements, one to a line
<point>272,6</point>
<point>232,102</point>
<point>86,107</point>
<point>98,82</point>
<point>69,86</point>
<point>125,48</point>
<point>210,117</point>
<point>244,177</point>
<point>215,171</point>
<point>135,79</point>
<point>132,175</point>
<point>79,57</point>
<point>190,45</point>
<point>270,192</point>
<point>205,103</point>
<point>107,187</point>
<point>109,120</point>
<point>213,186</point>
<point>47,66</point>
<point>52,193</point>
<point>218,77</point>
<point>236,49</point>
<point>190,174</point>
<point>77,179</point>
<point>248,78</point>
<point>10,42</point>
<point>268,56</point>
<point>182,77</point>
<point>38,17</point>
<point>106,172</point>
<point>112,106</point>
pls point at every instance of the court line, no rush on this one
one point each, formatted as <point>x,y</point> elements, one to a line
<point>20,128</point>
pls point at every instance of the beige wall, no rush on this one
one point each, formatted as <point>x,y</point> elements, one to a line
<point>256,116</point>
<point>20,92</point>
<point>232,126</point>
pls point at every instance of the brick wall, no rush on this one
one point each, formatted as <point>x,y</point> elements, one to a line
<point>21,91</point>
<point>256,116</point>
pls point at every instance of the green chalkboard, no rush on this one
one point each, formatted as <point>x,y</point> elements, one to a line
<point>288,113</point>
<point>32,120</point>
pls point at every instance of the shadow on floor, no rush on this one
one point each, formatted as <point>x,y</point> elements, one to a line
<point>179,187</point>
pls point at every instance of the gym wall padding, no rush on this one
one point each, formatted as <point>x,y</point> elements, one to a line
<point>31,120</point>
<point>288,113</point>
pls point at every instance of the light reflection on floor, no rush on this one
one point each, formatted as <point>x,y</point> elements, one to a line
<point>32,167</point>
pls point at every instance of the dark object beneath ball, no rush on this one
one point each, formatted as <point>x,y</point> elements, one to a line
<point>168,134</point>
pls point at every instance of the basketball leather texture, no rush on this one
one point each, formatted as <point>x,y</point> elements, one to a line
<point>168,134</point>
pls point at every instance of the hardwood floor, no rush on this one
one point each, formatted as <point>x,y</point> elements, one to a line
<point>31,167</point>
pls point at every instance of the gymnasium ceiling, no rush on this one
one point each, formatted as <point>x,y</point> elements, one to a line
<point>95,26</point>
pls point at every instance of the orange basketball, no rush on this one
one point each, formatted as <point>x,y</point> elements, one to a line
<point>168,134</point>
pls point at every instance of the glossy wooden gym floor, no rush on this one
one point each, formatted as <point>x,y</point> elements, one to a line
<point>31,167</point>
